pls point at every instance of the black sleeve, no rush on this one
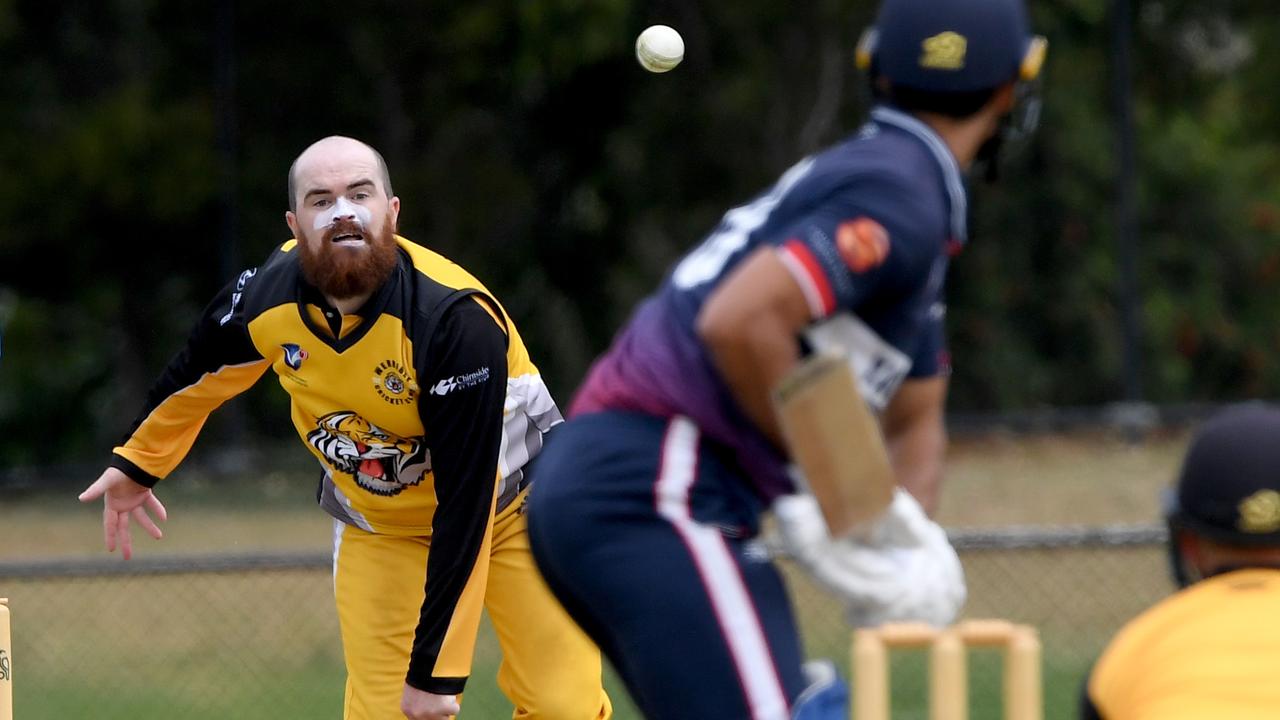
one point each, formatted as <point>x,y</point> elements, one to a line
<point>218,362</point>
<point>464,389</point>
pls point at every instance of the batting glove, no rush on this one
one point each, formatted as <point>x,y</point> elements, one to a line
<point>901,568</point>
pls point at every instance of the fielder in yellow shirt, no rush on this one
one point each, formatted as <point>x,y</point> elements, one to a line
<point>1211,650</point>
<point>412,388</point>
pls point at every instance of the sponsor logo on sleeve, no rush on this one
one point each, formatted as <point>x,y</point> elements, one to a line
<point>460,382</point>
<point>239,293</point>
<point>863,244</point>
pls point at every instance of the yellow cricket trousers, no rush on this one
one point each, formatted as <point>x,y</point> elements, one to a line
<point>550,669</point>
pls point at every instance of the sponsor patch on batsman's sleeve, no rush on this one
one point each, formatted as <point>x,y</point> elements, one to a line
<point>461,382</point>
<point>863,244</point>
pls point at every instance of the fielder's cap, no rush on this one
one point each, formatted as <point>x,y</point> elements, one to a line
<point>952,45</point>
<point>1229,487</point>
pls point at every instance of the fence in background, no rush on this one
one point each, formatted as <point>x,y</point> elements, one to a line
<point>1129,420</point>
<point>255,636</point>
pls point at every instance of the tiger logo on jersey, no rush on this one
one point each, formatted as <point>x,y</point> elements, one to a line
<point>381,462</point>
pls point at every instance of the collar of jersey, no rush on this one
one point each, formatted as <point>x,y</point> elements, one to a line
<point>946,162</point>
<point>369,312</point>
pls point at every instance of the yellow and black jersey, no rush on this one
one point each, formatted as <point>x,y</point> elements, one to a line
<point>1211,650</point>
<point>423,408</point>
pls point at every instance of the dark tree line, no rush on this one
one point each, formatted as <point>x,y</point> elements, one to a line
<point>146,142</point>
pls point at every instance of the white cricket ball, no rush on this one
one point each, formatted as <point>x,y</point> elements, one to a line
<point>659,48</point>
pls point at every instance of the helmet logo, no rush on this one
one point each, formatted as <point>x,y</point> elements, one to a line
<point>1260,512</point>
<point>944,51</point>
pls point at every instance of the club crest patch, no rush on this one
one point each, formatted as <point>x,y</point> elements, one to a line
<point>392,383</point>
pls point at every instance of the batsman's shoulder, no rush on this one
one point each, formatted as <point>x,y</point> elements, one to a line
<point>895,199</point>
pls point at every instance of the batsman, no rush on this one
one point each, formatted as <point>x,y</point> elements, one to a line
<point>412,388</point>
<point>718,401</point>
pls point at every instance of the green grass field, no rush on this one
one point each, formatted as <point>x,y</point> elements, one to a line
<point>265,645</point>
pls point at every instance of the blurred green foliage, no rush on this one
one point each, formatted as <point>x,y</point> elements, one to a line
<point>146,144</point>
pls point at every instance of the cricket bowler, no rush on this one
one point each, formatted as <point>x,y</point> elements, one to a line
<point>413,390</point>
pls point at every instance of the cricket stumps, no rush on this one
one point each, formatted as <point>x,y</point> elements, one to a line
<point>6,663</point>
<point>948,671</point>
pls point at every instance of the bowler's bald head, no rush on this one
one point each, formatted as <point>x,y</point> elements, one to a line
<point>336,151</point>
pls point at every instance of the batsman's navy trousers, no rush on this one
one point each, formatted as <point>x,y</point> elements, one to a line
<point>640,529</point>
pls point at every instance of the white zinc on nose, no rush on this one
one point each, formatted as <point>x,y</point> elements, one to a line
<point>343,208</point>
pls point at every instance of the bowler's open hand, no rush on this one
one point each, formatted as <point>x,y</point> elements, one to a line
<point>123,497</point>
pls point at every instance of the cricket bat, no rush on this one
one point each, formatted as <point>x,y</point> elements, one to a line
<point>836,441</point>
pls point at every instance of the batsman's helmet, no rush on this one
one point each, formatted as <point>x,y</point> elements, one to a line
<point>1229,488</point>
<point>952,46</point>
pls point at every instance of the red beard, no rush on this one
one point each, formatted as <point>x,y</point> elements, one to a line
<point>341,272</point>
